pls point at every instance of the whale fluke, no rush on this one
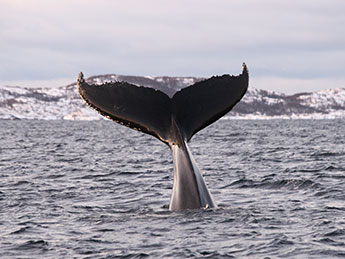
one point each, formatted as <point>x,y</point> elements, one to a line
<point>172,120</point>
<point>197,106</point>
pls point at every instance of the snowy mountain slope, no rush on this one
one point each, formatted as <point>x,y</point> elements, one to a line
<point>65,103</point>
<point>264,104</point>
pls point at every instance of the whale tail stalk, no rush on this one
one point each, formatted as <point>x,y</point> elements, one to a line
<point>172,120</point>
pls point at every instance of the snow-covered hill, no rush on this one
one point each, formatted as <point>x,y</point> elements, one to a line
<point>65,103</point>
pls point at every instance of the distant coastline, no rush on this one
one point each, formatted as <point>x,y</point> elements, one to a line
<point>64,103</point>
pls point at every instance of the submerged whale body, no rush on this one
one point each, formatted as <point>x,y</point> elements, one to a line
<point>172,120</point>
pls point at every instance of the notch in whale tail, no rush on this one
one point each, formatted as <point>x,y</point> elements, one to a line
<point>172,120</point>
<point>153,112</point>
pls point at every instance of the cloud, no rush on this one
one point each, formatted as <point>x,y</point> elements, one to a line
<point>297,39</point>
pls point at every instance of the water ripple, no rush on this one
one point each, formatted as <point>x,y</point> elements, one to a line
<point>99,190</point>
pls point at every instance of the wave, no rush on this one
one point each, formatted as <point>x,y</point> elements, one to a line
<point>293,184</point>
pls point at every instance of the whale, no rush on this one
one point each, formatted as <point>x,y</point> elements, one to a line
<point>172,120</point>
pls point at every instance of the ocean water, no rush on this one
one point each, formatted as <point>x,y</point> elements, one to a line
<point>74,189</point>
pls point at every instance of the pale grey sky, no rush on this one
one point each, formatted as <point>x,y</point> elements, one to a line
<point>288,45</point>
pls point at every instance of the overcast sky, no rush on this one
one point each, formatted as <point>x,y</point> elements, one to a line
<point>289,46</point>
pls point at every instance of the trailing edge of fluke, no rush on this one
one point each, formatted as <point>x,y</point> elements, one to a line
<point>172,120</point>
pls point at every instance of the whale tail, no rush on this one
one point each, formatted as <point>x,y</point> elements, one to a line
<point>153,112</point>
<point>172,120</point>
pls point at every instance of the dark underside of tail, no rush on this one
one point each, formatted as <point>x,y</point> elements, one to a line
<point>153,112</point>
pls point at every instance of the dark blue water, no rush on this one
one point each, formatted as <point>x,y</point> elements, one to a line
<point>100,190</point>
